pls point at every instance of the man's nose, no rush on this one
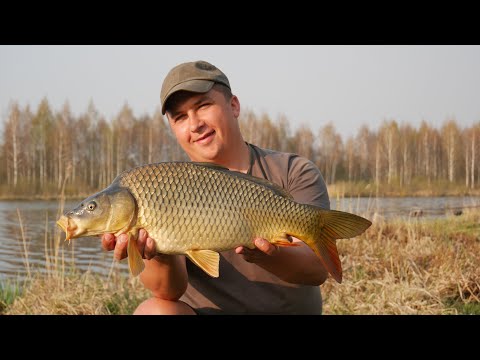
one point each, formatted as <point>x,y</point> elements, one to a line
<point>196,123</point>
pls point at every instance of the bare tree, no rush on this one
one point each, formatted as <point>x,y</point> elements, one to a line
<point>407,146</point>
<point>351,156</point>
<point>11,141</point>
<point>450,137</point>
<point>389,136</point>
<point>330,149</point>
<point>366,142</point>
<point>304,144</point>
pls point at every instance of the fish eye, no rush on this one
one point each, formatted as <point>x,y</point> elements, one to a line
<point>91,206</point>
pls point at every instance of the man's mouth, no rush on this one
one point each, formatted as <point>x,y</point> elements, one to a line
<point>206,137</point>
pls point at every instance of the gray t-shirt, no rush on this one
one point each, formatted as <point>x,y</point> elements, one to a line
<point>243,287</point>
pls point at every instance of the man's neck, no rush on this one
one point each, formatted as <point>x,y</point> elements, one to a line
<point>238,159</point>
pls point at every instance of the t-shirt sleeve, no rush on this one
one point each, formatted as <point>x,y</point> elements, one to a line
<point>306,183</point>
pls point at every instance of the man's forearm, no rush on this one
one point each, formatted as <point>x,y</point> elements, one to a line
<point>166,276</point>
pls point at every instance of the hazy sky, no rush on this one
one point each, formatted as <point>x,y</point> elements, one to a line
<point>346,85</point>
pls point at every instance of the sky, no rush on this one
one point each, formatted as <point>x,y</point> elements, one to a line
<point>348,86</point>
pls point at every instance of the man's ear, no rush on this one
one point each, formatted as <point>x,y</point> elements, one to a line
<point>235,104</point>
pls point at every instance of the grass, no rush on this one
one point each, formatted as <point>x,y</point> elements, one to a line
<point>410,267</point>
<point>62,289</point>
<point>8,292</point>
<point>78,294</point>
<point>415,266</point>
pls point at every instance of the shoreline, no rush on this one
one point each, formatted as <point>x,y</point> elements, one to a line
<point>40,198</point>
<point>332,195</point>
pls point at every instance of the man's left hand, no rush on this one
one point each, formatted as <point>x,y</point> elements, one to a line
<point>262,249</point>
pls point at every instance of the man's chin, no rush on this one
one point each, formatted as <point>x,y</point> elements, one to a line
<point>204,153</point>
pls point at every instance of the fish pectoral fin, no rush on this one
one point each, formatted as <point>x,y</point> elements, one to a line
<point>207,260</point>
<point>135,261</point>
<point>283,240</point>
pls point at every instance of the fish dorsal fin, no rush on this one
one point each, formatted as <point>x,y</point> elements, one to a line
<point>135,261</point>
<point>277,189</point>
<point>212,165</point>
<point>207,260</point>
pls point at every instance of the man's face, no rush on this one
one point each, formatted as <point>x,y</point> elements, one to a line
<point>204,124</point>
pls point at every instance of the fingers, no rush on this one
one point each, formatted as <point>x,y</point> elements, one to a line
<point>141,241</point>
<point>265,246</point>
<point>108,242</point>
<point>146,245</point>
<point>150,249</point>
<point>120,251</point>
<point>239,250</point>
<point>262,249</point>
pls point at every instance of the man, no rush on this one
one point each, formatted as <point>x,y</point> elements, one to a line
<point>203,114</point>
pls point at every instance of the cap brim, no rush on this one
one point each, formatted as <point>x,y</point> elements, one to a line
<point>196,86</point>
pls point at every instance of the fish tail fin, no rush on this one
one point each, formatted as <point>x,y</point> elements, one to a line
<point>334,225</point>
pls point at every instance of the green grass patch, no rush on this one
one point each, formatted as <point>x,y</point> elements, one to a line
<point>8,292</point>
<point>468,309</point>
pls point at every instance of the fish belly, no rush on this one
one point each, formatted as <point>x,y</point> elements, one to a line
<point>185,229</point>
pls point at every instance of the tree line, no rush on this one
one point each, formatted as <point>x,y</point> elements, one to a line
<point>45,152</point>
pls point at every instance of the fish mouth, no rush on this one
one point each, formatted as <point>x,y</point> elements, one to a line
<point>68,225</point>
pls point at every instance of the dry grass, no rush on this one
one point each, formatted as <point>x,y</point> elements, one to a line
<point>61,289</point>
<point>79,294</point>
<point>396,267</point>
<point>410,267</point>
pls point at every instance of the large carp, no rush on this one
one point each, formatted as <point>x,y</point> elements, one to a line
<point>200,209</point>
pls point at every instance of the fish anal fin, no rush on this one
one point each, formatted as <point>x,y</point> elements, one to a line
<point>326,250</point>
<point>135,261</point>
<point>207,260</point>
<point>283,240</point>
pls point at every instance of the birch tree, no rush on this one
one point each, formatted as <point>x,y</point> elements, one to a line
<point>451,140</point>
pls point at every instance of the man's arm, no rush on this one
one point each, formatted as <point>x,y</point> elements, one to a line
<point>164,275</point>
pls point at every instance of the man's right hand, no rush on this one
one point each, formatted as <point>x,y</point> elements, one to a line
<point>118,244</point>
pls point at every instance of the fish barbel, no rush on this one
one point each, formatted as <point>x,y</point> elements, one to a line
<point>201,209</point>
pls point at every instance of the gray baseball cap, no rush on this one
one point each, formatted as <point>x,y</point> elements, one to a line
<point>196,76</point>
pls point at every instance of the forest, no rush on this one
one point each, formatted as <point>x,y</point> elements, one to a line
<point>45,152</point>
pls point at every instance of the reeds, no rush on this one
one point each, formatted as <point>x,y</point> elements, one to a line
<point>410,267</point>
<point>78,294</point>
<point>63,289</point>
<point>60,288</point>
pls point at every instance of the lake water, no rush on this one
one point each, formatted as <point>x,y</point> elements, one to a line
<point>37,216</point>
<point>87,254</point>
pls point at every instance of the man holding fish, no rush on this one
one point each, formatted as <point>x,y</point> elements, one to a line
<point>280,276</point>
